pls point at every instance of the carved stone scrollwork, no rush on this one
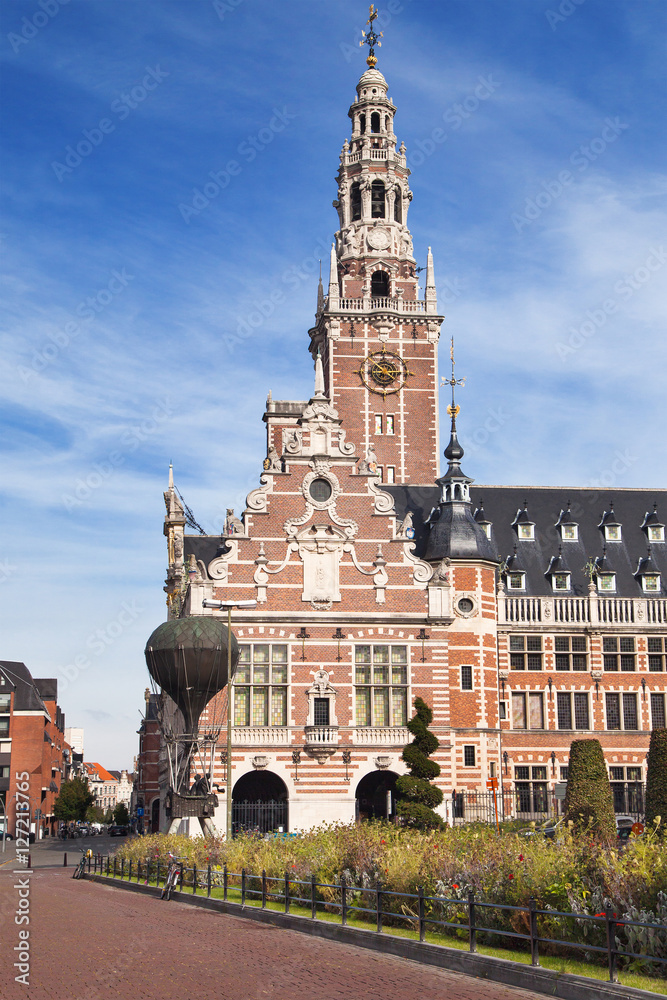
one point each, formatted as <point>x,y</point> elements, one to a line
<point>218,568</point>
<point>345,447</point>
<point>382,762</point>
<point>384,502</point>
<point>421,571</point>
<point>257,500</point>
<point>292,442</point>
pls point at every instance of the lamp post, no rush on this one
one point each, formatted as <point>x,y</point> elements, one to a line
<point>229,605</point>
<point>5,814</point>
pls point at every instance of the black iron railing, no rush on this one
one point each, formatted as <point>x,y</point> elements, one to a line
<point>418,911</point>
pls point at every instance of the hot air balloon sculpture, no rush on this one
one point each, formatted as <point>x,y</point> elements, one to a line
<point>187,659</point>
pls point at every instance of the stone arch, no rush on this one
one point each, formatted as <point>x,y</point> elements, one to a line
<point>259,803</point>
<point>379,284</point>
<point>372,793</point>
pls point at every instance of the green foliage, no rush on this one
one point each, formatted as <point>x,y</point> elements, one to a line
<point>74,800</point>
<point>120,815</point>
<point>94,814</point>
<point>589,805</point>
<point>656,780</point>
<point>418,795</point>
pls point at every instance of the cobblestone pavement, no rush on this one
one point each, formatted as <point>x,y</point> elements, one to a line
<point>93,942</point>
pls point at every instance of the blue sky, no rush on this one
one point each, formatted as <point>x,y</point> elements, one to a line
<point>142,325</point>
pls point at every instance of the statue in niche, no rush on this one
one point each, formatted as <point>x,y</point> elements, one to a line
<point>351,240</point>
<point>232,524</point>
<point>273,462</point>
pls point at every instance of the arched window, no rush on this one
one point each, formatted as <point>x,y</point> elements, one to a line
<point>386,123</point>
<point>398,205</point>
<point>362,123</point>
<point>377,200</point>
<point>375,122</point>
<point>380,284</point>
<point>355,201</point>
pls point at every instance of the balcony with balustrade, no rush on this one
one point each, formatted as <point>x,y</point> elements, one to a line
<point>592,611</point>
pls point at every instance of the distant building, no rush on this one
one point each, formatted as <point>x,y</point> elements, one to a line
<point>145,806</point>
<point>32,746</point>
<point>103,784</point>
<point>124,788</point>
<point>74,737</point>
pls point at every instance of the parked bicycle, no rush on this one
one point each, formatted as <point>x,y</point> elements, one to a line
<point>81,865</point>
<point>174,876</point>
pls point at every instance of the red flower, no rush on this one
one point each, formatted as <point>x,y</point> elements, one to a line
<point>521,857</point>
<point>383,841</point>
<point>455,885</point>
<point>510,875</point>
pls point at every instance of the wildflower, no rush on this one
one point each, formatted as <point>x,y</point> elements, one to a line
<point>521,857</point>
<point>510,875</point>
<point>455,885</point>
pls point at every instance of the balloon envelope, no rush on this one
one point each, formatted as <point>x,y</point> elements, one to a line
<point>187,657</point>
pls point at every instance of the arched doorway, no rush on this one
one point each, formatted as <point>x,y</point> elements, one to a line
<point>376,795</point>
<point>259,803</point>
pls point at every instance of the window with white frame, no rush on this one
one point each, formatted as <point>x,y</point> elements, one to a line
<point>502,710</point>
<point>626,789</point>
<point>469,756</point>
<point>656,533</point>
<point>466,677</point>
<point>571,652</point>
<point>606,583</point>
<point>526,532</point>
<point>650,583</point>
<point>516,581</point>
<point>560,581</point>
<point>378,423</point>
<point>569,532</point>
<point>530,785</point>
<point>612,532</point>
<point>621,711</point>
<point>381,685</point>
<point>619,653</point>
<point>390,423</point>
<point>526,652</point>
<point>260,685</point>
<point>572,710</point>
<point>657,648</point>
<point>391,474</point>
<point>5,702</point>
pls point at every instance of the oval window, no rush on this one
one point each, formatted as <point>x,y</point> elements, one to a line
<point>465,605</point>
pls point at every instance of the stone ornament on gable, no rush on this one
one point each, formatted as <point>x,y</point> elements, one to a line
<point>292,442</point>
<point>384,502</point>
<point>273,461</point>
<point>368,466</point>
<point>321,684</point>
<point>233,526</point>
<point>406,527</point>
<point>257,500</point>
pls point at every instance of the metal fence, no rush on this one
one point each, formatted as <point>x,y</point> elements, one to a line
<point>258,817</point>
<point>606,934</point>
<point>533,805</point>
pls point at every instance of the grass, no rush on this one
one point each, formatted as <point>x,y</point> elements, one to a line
<point>560,964</point>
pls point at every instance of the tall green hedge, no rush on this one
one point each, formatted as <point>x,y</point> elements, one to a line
<point>656,779</point>
<point>418,795</point>
<point>588,799</point>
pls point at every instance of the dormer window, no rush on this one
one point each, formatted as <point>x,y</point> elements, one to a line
<point>606,583</point>
<point>648,575</point>
<point>612,532</point>
<point>560,581</point>
<point>516,581</point>
<point>525,528</point>
<point>569,529</point>
<point>656,533</point>
<point>482,520</point>
<point>559,573</point>
<point>651,583</point>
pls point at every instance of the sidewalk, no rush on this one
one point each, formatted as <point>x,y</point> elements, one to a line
<point>92,942</point>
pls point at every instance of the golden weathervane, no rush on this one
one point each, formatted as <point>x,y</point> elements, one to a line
<point>453,410</point>
<point>370,38</point>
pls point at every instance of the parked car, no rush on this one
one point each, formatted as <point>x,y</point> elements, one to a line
<point>547,829</point>
<point>117,831</point>
<point>2,828</point>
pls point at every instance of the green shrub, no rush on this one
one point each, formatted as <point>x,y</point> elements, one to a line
<point>418,795</point>
<point>656,780</point>
<point>588,800</point>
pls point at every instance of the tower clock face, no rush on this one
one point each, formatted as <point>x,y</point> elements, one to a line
<point>384,372</point>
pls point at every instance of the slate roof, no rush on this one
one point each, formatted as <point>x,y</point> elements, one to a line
<point>26,694</point>
<point>544,506</point>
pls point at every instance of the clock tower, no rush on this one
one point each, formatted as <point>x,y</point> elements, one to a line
<point>378,339</point>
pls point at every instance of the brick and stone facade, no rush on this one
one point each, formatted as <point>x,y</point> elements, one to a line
<point>376,582</point>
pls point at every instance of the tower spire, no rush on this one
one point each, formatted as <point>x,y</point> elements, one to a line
<point>370,38</point>
<point>430,295</point>
<point>334,290</point>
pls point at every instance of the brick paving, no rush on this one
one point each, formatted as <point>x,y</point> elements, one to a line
<point>93,942</point>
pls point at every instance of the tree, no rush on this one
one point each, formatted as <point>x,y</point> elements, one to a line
<point>94,814</point>
<point>588,799</point>
<point>120,815</point>
<point>656,779</point>
<point>74,799</point>
<point>418,795</point>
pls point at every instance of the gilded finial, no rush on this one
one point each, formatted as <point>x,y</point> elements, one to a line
<point>370,38</point>
<point>453,410</point>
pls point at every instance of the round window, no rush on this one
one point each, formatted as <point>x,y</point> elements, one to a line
<point>465,606</point>
<point>320,490</point>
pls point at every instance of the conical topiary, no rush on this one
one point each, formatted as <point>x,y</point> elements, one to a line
<point>656,780</point>
<point>418,795</point>
<point>588,799</point>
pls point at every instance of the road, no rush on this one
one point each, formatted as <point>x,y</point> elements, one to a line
<point>93,942</point>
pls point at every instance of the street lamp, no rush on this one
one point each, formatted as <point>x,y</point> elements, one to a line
<point>220,605</point>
